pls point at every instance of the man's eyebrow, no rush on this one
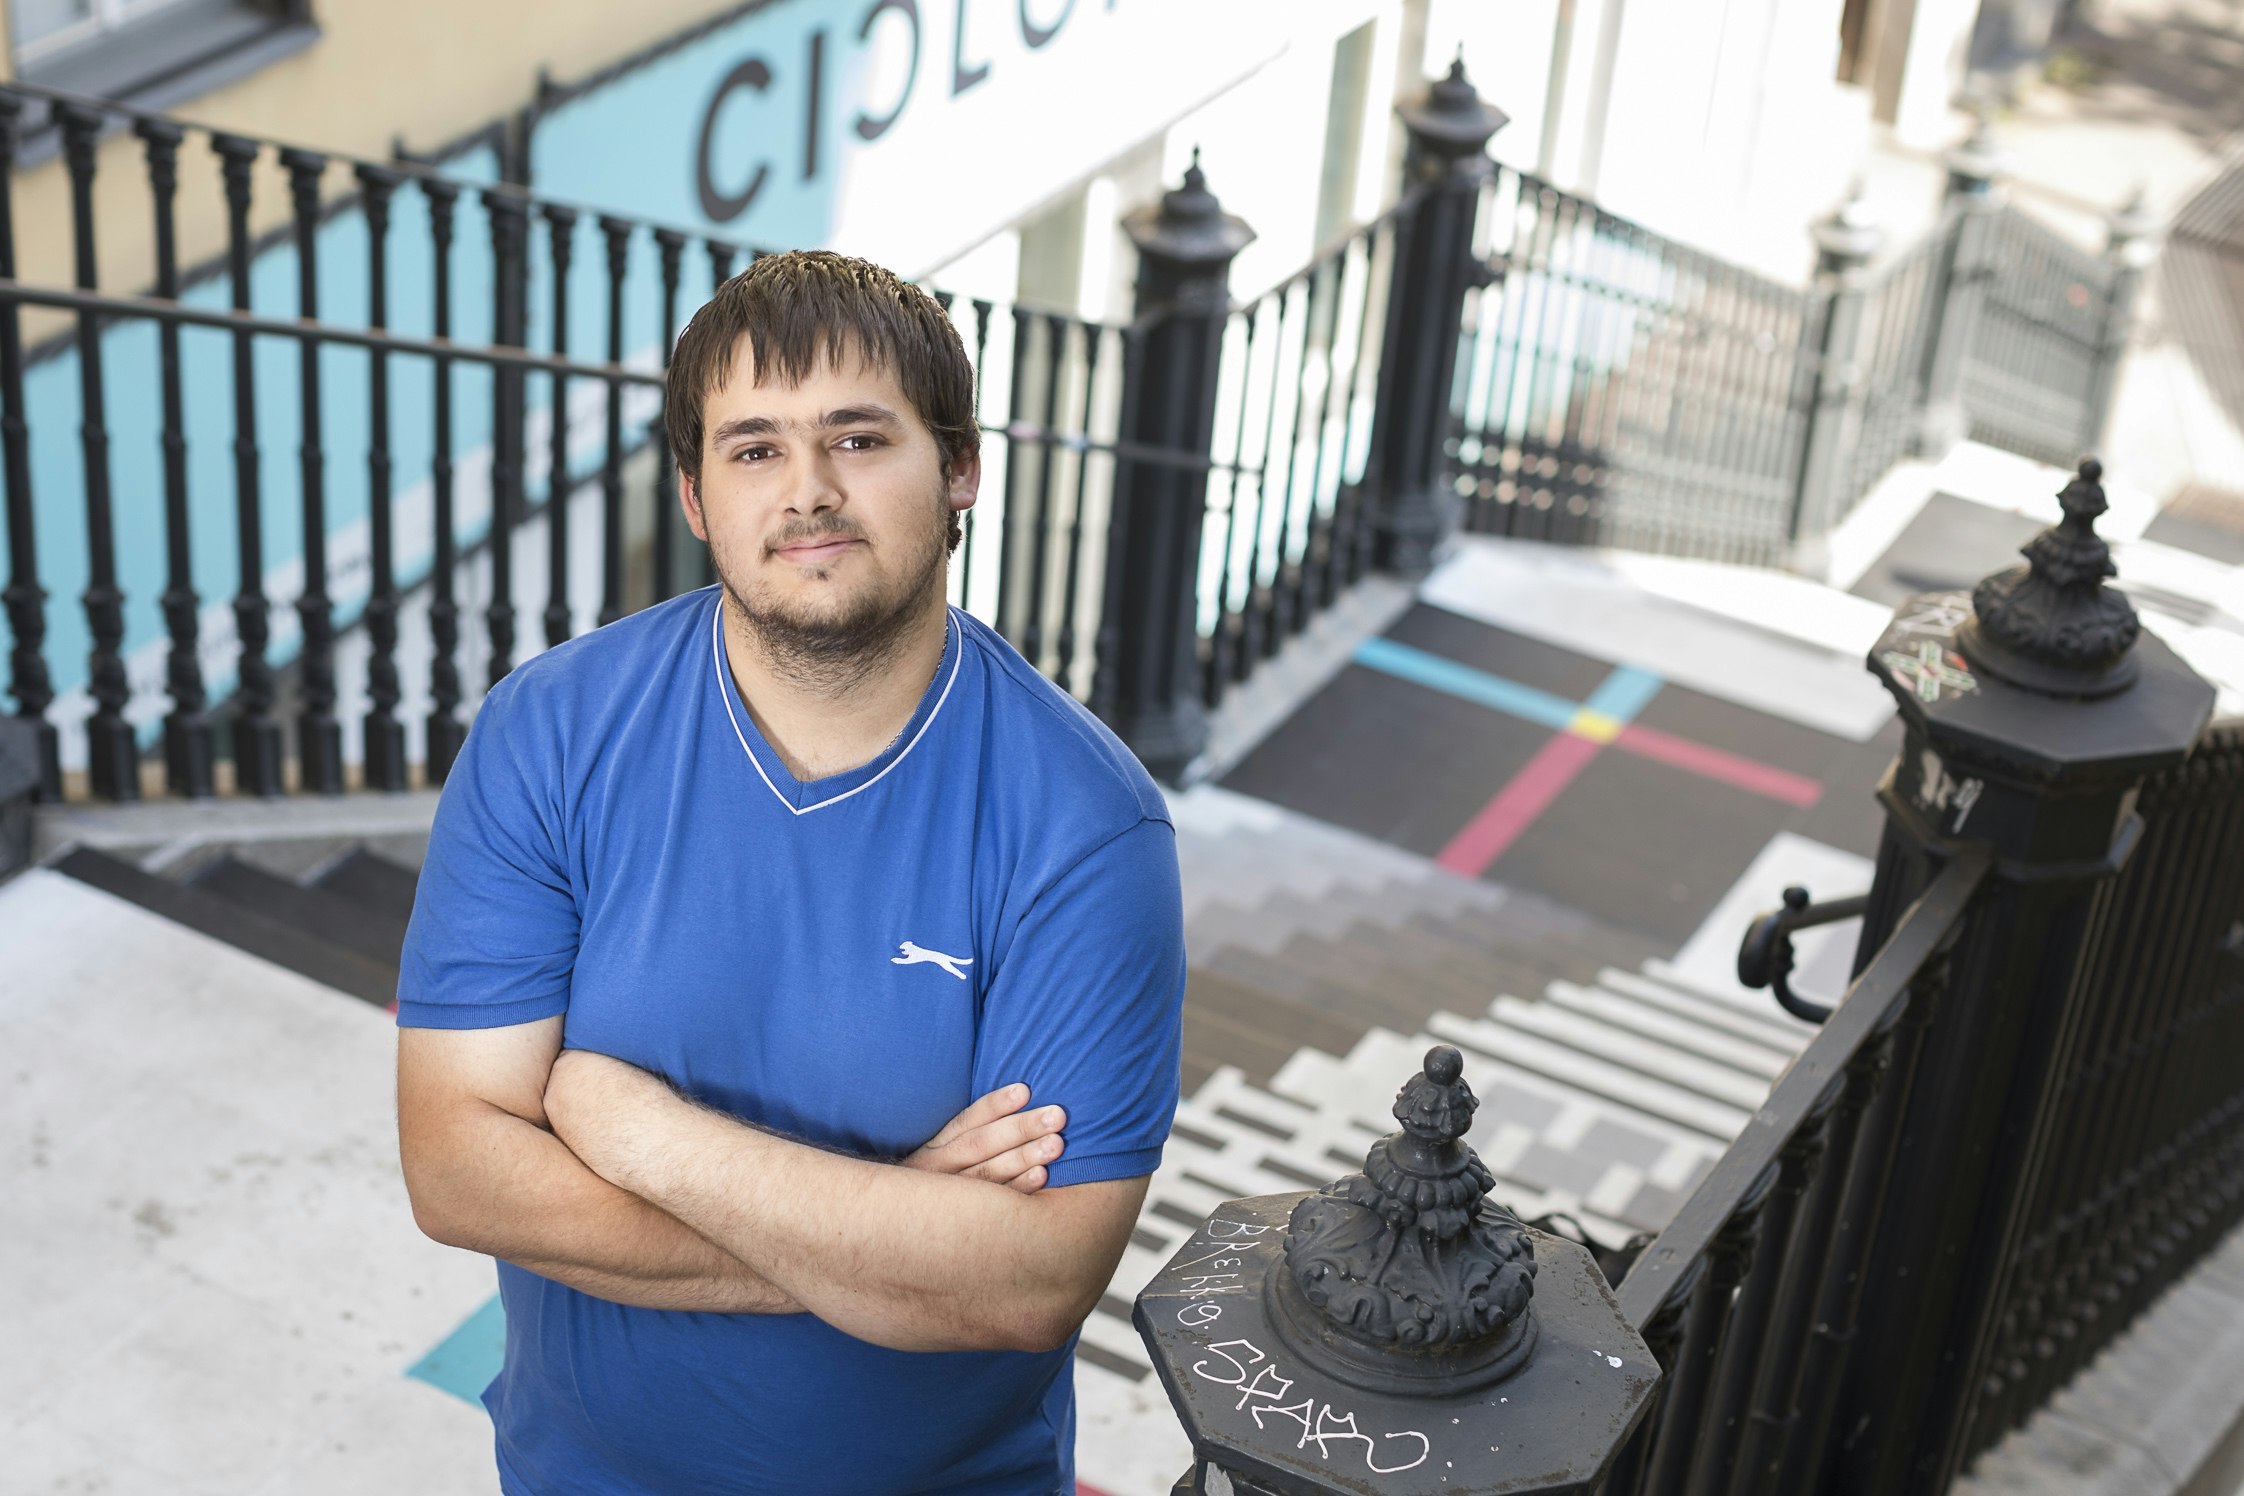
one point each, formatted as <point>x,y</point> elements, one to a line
<point>745,426</point>
<point>867,414</point>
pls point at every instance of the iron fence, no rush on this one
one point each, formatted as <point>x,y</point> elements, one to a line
<point>1617,388</point>
<point>2048,327</point>
<point>2132,1167</point>
<point>479,471</point>
<point>1903,299</point>
<point>1751,1295</point>
<point>1287,529</point>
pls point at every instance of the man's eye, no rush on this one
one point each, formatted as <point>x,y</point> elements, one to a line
<point>861,441</point>
<point>747,454</point>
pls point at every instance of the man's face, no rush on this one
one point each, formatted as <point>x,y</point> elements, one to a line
<point>825,505</point>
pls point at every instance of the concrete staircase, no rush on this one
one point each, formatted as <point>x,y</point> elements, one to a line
<point>332,908</point>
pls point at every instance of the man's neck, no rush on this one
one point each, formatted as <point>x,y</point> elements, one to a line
<point>822,727</point>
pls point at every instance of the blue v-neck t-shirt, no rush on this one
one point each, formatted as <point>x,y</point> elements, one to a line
<point>992,899</point>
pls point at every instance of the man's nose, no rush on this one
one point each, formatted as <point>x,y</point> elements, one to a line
<point>817,488</point>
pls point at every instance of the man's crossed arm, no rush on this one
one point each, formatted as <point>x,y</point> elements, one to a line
<point>594,1173</point>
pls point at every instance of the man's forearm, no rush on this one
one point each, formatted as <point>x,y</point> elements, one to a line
<point>902,1258</point>
<point>527,1199</point>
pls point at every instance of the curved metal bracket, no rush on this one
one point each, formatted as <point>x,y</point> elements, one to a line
<point>1765,956</point>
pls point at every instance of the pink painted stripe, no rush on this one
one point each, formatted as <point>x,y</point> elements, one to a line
<point>1517,804</point>
<point>1713,763</point>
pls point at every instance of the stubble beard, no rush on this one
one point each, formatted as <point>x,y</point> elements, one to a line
<point>827,648</point>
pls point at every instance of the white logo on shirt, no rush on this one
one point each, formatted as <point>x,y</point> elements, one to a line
<point>915,953</point>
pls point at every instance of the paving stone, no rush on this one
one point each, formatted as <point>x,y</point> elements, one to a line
<point>1621,1143</point>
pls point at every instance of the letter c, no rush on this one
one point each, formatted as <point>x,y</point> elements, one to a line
<point>872,126</point>
<point>719,205</point>
<point>1036,36</point>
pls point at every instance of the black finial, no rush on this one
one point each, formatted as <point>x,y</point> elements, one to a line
<point>2051,625</point>
<point>1407,1273</point>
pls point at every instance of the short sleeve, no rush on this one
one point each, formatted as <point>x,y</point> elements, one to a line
<point>1087,1007</point>
<point>493,938</point>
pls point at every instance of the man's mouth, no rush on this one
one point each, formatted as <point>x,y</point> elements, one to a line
<point>815,549</point>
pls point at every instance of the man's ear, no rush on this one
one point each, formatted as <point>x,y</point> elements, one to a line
<point>962,483</point>
<point>689,499</point>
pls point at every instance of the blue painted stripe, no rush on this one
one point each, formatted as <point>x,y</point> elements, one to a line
<point>470,1357</point>
<point>1624,693</point>
<point>1437,673</point>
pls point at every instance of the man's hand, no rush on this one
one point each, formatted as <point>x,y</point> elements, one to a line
<point>995,1140</point>
<point>592,1100</point>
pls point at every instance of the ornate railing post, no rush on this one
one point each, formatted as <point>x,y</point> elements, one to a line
<point>1185,244</point>
<point>24,599</point>
<point>2129,249</point>
<point>1845,242</point>
<point>2034,707</point>
<point>1445,167</point>
<point>1397,1331</point>
<point>1975,172</point>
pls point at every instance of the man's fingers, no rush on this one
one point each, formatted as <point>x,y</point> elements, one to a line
<point>1010,1165</point>
<point>986,1109</point>
<point>987,1142</point>
<point>1029,1183</point>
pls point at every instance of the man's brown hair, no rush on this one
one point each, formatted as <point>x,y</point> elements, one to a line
<point>810,304</point>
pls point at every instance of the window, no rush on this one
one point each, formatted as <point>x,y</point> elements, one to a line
<point>152,54</point>
<point>44,28</point>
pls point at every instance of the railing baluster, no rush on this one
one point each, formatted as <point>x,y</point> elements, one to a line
<point>1286,577</point>
<point>966,551</point>
<point>510,231</point>
<point>1040,588</point>
<point>1749,1340</point>
<point>1106,684</point>
<point>1223,644</point>
<point>1779,1393</point>
<point>1316,553</point>
<point>26,600</point>
<point>384,755</point>
<point>1676,1459</point>
<point>720,271</point>
<point>1007,616</point>
<point>563,224</point>
<point>112,754</point>
<point>1066,676</point>
<point>319,737</point>
<point>1663,1335</point>
<point>1358,548</point>
<point>445,732</point>
<point>257,745</point>
<point>188,750</point>
<point>671,247</point>
<point>1259,609</point>
<point>617,234</point>
<point>1895,1048</point>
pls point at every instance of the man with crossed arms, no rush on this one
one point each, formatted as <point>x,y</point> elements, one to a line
<point>767,941</point>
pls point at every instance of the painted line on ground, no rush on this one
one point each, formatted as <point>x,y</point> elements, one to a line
<point>1445,675</point>
<point>1515,807</point>
<point>1582,731</point>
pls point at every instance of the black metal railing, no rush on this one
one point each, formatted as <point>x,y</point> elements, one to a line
<point>1165,502</point>
<point>477,461</point>
<point>2045,333</point>
<point>1617,388</point>
<point>1288,530</point>
<point>1751,1294</point>
<point>2144,1167</point>
<point>1903,300</point>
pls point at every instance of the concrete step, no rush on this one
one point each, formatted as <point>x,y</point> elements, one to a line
<point>242,925</point>
<point>366,927</point>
